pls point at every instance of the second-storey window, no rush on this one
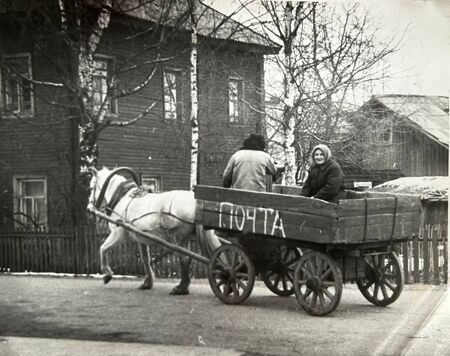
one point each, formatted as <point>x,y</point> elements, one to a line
<point>30,204</point>
<point>235,96</point>
<point>172,94</point>
<point>16,89</point>
<point>102,68</point>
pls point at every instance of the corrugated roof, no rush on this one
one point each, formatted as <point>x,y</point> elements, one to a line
<point>427,113</point>
<point>429,188</point>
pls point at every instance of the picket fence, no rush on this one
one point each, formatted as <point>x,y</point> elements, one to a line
<point>77,252</point>
<point>424,258</point>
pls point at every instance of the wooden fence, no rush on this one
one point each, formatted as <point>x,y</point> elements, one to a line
<point>77,252</point>
<point>424,258</point>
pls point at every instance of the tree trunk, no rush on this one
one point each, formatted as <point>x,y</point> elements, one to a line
<point>194,99</point>
<point>194,110</point>
<point>288,117</point>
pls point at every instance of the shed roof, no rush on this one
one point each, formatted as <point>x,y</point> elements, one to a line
<point>429,114</point>
<point>429,188</point>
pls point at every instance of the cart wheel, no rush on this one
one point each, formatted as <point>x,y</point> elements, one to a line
<point>279,277</point>
<point>383,281</point>
<point>317,283</point>
<point>231,274</point>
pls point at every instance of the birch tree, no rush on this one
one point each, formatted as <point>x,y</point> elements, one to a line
<point>194,94</point>
<point>286,19</point>
<point>333,51</point>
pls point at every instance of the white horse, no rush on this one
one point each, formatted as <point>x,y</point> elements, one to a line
<point>169,215</point>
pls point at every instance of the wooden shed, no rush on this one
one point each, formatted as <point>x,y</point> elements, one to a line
<point>428,255</point>
<point>407,132</point>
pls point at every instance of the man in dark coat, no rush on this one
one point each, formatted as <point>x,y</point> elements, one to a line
<point>248,167</point>
<point>325,178</point>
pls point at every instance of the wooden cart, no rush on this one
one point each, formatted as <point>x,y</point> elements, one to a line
<point>307,247</point>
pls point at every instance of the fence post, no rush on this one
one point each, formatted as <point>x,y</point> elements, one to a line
<point>426,254</point>
<point>405,254</point>
<point>434,237</point>
<point>416,259</point>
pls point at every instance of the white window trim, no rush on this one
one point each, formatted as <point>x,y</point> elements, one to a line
<point>178,72</point>
<point>18,194</point>
<point>5,113</point>
<point>114,102</point>
<point>240,118</point>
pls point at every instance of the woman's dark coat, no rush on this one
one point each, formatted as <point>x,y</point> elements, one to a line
<point>325,181</point>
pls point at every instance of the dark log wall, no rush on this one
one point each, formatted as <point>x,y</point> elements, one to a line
<point>36,145</point>
<point>157,147</point>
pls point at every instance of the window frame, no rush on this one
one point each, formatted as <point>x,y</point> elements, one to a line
<point>387,131</point>
<point>156,178</point>
<point>3,93</point>
<point>233,120</point>
<point>179,112</point>
<point>113,104</point>
<point>19,199</point>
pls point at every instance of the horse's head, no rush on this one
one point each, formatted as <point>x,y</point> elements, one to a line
<point>104,182</point>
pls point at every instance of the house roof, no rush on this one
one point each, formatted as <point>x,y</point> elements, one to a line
<point>429,188</point>
<point>211,23</point>
<point>429,114</point>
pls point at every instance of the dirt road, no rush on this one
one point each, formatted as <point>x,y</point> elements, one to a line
<point>85,309</point>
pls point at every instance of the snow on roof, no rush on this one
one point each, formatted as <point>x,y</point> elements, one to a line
<point>428,113</point>
<point>429,188</point>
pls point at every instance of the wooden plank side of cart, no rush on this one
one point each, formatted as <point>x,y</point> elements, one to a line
<point>287,216</point>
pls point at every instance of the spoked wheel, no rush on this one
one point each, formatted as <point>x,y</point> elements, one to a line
<point>231,274</point>
<point>383,280</point>
<point>279,277</point>
<point>317,283</point>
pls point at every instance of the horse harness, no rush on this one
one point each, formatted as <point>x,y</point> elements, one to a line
<point>122,190</point>
<point>119,193</point>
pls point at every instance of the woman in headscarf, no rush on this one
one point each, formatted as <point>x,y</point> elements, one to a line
<point>248,167</point>
<point>325,178</point>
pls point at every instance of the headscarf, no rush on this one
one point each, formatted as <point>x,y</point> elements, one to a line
<point>254,142</point>
<point>326,152</point>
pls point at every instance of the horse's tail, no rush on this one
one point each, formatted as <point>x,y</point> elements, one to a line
<point>207,239</point>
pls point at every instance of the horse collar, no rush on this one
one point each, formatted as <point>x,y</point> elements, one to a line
<point>122,189</point>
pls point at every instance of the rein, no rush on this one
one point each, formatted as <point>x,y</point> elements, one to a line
<point>99,201</point>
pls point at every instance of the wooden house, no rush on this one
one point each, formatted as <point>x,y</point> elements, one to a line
<point>408,133</point>
<point>38,139</point>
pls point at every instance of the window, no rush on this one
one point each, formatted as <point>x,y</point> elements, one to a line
<point>235,96</point>
<point>154,183</point>
<point>30,203</point>
<point>102,69</point>
<point>172,94</point>
<point>385,136</point>
<point>16,90</point>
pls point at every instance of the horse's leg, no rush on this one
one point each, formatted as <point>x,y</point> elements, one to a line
<point>185,271</point>
<point>149,275</point>
<point>117,235</point>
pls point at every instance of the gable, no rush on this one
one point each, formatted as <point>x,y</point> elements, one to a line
<point>427,114</point>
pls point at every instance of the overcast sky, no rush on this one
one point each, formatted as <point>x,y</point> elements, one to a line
<point>422,65</point>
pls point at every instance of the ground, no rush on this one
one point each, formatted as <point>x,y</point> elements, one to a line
<point>85,309</point>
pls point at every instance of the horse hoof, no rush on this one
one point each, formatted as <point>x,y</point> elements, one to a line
<point>179,291</point>
<point>106,279</point>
